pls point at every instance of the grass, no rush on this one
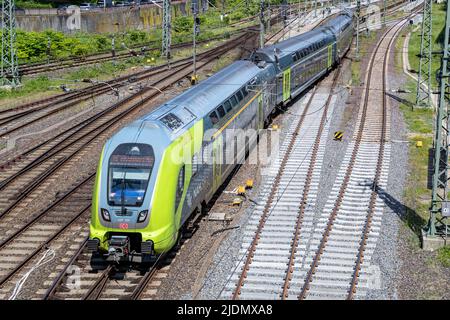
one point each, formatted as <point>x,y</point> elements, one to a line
<point>420,124</point>
<point>48,85</point>
<point>365,40</point>
<point>443,256</point>
<point>437,40</point>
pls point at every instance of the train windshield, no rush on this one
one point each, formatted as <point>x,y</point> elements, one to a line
<point>130,168</point>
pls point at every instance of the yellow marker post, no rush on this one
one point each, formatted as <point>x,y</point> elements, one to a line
<point>241,190</point>
<point>419,144</point>
<point>237,201</point>
<point>249,184</point>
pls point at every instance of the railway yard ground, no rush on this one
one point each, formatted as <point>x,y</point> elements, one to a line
<point>324,218</point>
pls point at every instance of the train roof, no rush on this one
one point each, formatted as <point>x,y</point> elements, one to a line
<point>195,103</point>
<point>293,44</point>
<point>339,22</point>
<point>208,94</point>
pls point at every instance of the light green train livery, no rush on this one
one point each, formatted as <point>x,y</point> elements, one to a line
<point>162,228</point>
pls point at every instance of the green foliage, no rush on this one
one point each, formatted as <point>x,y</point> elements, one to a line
<point>33,46</point>
<point>44,4</point>
<point>437,40</point>
<point>183,24</point>
<point>444,256</point>
<point>30,4</point>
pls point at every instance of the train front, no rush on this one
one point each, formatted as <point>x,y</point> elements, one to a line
<point>120,228</point>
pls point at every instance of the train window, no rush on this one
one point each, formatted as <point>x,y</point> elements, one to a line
<point>180,188</point>
<point>239,96</point>
<point>130,168</point>
<point>227,106</point>
<point>221,111</point>
<point>213,117</point>
<point>294,57</point>
<point>244,91</point>
<point>234,101</point>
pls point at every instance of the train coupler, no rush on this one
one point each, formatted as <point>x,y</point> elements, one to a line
<point>119,248</point>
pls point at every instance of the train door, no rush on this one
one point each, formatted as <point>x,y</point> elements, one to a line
<point>330,55</point>
<point>217,154</point>
<point>286,84</point>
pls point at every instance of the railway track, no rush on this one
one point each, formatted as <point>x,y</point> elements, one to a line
<point>78,62</point>
<point>68,101</point>
<point>351,220</point>
<point>292,251</point>
<point>34,177</point>
<point>97,280</point>
<point>269,235</point>
<point>15,119</point>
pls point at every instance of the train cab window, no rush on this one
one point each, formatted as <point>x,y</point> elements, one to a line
<point>234,101</point>
<point>129,170</point>
<point>213,117</point>
<point>239,96</point>
<point>221,111</point>
<point>227,106</point>
<point>180,188</point>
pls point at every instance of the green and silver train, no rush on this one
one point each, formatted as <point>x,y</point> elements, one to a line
<point>157,171</point>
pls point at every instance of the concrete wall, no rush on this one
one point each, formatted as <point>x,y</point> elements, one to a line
<point>98,20</point>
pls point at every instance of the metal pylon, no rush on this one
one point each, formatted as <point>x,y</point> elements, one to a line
<point>166,32</point>
<point>423,96</point>
<point>261,24</point>
<point>441,139</point>
<point>9,66</point>
<point>358,18</point>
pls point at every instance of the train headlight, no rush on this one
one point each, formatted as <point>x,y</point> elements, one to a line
<point>142,216</point>
<point>105,214</point>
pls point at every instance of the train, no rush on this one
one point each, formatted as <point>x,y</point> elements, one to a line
<point>159,170</point>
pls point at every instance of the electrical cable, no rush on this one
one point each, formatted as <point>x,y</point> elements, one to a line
<point>48,256</point>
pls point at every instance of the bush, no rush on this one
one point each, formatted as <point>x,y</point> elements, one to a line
<point>103,43</point>
<point>81,49</point>
<point>183,24</point>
